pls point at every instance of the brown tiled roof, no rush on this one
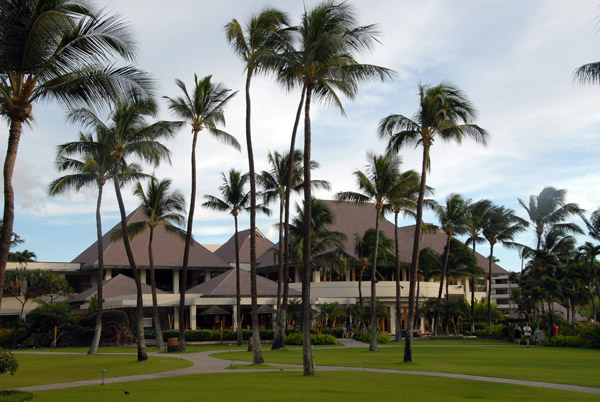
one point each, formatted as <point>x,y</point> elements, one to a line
<point>167,249</point>
<point>227,250</point>
<point>353,218</point>
<point>120,285</point>
<point>224,286</point>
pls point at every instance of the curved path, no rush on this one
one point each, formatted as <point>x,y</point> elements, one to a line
<point>204,363</point>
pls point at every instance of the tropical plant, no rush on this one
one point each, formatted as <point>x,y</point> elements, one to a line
<point>500,225</point>
<point>588,253</point>
<point>256,45</point>
<point>474,225</point>
<point>93,168</point>
<point>160,206</point>
<point>444,113</point>
<point>274,183</point>
<point>21,256</point>
<point>548,210</point>
<point>235,199</point>
<point>203,108</point>
<point>8,363</point>
<point>376,185</point>
<point>127,134</point>
<point>60,50</point>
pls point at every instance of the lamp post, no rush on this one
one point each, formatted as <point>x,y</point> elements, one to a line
<point>103,371</point>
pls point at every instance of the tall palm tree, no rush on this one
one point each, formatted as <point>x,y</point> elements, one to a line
<point>235,199</point>
<point>452,217</point>
<point>329,37</point>
<point>403,199</point>
<point>474,225</point>
<point>130,134</point>
<point>202,109</point>
<point>589,252</point>
<point>548,210</point>
<point>161,206</point>
<point>62,50</point>
<point>500,225</point>
<point>377,186</point>
<point>274,183</point>
<point>256,45</point>
<point>444,113</point>
<point>93,169</point>
<point>593,225</point>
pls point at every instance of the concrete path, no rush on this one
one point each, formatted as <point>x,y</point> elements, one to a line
<point>203,363</point>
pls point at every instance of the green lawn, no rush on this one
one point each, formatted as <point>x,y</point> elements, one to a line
<point>47,369</point>
<point>292,386</point>
<point>133,349</point>
<point>559,365</point>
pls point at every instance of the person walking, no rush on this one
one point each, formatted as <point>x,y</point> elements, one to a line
<point>527,331</point>
<point>517,334</point>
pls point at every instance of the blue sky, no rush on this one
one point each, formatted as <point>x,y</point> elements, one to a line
<point>513,59</point>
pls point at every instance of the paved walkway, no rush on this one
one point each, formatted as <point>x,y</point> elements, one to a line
<point>203,363</point>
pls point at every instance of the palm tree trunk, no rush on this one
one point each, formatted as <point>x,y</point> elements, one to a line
<point>279,338</point>
<point>186,250</point>
<point>258,357</point>
<point>398,315</point>
<point>436,317</point>
<point>307,360</point>
<point>473,297</point>
<point>415,257</point>
<point>139,333</point>
<point>373,345</point>
<point>99,296</point>
<point>417,297</point>
<point>238,297</point>
<point>489,299</point>
<point>16,127</point>
<point>157,328</point>
<point>280,255</point>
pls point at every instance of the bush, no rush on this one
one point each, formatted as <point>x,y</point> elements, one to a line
<point>10,337</point>
<point>590,334</point>
<point>116,316</point>
<point>48,315</point>
<point>565,341</point>
<point>42,339</point>
<point>8,363</point>
<point>295,339</point>
<point>207,335</point>
<point>337,332</point>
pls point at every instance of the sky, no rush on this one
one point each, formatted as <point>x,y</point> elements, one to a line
<point>513,59</point>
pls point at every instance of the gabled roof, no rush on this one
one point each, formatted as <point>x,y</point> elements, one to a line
<point>227,250</point>
<point>118,286</point>
<point>224,286</point>
<point>353,218</point>
<point>167,250</point>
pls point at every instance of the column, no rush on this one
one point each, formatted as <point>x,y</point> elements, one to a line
<point>176,317</point>
<point>193,317</point>
<point>107,273</point>
<point>297,276</point>
<point>235,323</point>
<point>175,282</point>
<point>143,275</point>
<point>393,320</point>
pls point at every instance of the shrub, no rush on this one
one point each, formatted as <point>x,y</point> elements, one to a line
<point>337,332</point>
<point>10,337</point>
<point>295,339</point>
<point>565,341</point>
<point>48,315</point>
<point>8,363</point>
<point>266,334</point>
<point>117,316</point>
<point>590,335</point>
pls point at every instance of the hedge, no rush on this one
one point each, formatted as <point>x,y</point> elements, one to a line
<point>365,336</point>
<point>315,339</point>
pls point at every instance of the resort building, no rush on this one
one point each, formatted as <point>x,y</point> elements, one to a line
<point>210,297</point>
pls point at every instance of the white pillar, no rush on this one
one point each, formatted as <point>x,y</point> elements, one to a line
<point>143,275</point>
<point>207,276</point>
<point>348,277</point>
<point>107,273</point>
<point>176,317</point>
<point>393,320</point>
<point>297,276</point>
<point>175,282</point>
<point>235,323</point>
<point>193,317</point>
<point>316,275</point>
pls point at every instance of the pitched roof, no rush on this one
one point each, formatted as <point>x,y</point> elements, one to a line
<point>227,250</point>
<point>224,286</point>
<point>120,285</point>
<point>353,218</point>
<point>167,249</point>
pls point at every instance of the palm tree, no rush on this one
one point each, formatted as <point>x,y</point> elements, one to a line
<point>377,185</point>
<point>329,36</point>
<point>256,45</point>
<point>588,253</point>
<point>56,50</point>
<point>548,210</point>
<point>500,225</point>
<point>274,183</point>
<point>128,134</point>
<point>403,199</point>
<point>161,206</point>
<point>474,225</point>
<point>93,169</point>
<point>203,108</point>
<point>445,113</point>
<point>452,219</point>
<point>593,225</point>
<point>235,199</point>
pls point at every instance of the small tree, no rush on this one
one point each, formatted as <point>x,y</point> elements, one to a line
<point>8,363</point>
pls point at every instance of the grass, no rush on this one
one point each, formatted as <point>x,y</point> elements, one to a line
<point>133,349</point>
<point>292,386</point>
<point>16,396</point>
<point>477,341</point>
<point>55,368</point>
<point>559,365</point>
